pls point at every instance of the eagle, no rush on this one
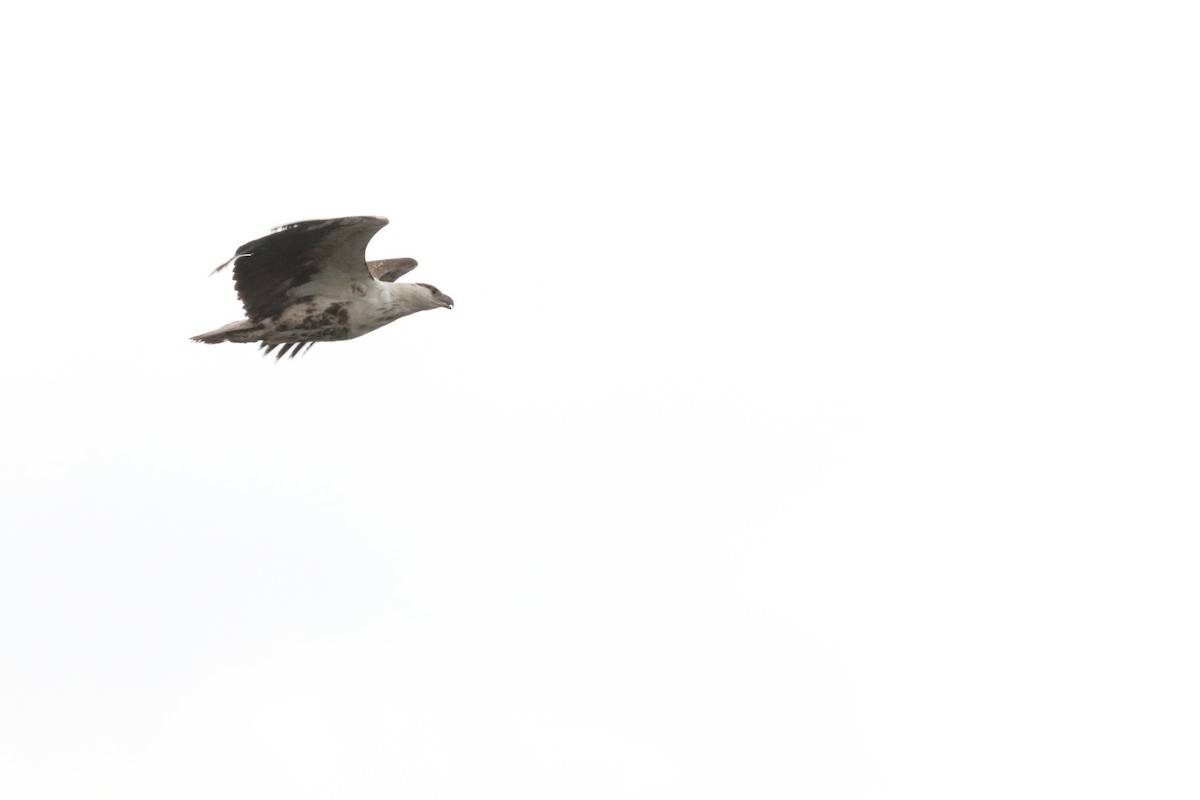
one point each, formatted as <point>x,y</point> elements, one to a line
<point>310,282</point>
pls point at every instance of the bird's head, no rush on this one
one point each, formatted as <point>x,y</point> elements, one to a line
<point>436,297</point>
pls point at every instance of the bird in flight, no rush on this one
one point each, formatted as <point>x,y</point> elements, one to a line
<point>310,282</point>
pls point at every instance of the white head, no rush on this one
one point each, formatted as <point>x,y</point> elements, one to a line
<point>436,298</point>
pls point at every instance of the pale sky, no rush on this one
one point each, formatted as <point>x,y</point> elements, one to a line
<point>817,417</point>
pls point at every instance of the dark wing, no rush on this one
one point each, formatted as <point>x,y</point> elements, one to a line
<point>391,269</point>
<point>268,271</point>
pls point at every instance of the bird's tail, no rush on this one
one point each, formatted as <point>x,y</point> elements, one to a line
<point>241,331</point>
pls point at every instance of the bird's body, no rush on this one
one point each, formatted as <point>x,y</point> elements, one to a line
<point>310,282</point>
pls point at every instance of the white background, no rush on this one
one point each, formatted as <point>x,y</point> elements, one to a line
<point>817,418</point>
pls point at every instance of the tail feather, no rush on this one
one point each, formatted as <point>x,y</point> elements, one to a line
<point>241,331</point>
<point>247,331</point>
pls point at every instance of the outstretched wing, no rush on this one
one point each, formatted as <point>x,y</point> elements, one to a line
<point>391,269</point>
<point>269,273</point>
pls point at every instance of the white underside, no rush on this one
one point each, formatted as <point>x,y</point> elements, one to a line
<point>368,306</point>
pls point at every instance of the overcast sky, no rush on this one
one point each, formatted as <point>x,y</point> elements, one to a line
<point>817,417</point>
